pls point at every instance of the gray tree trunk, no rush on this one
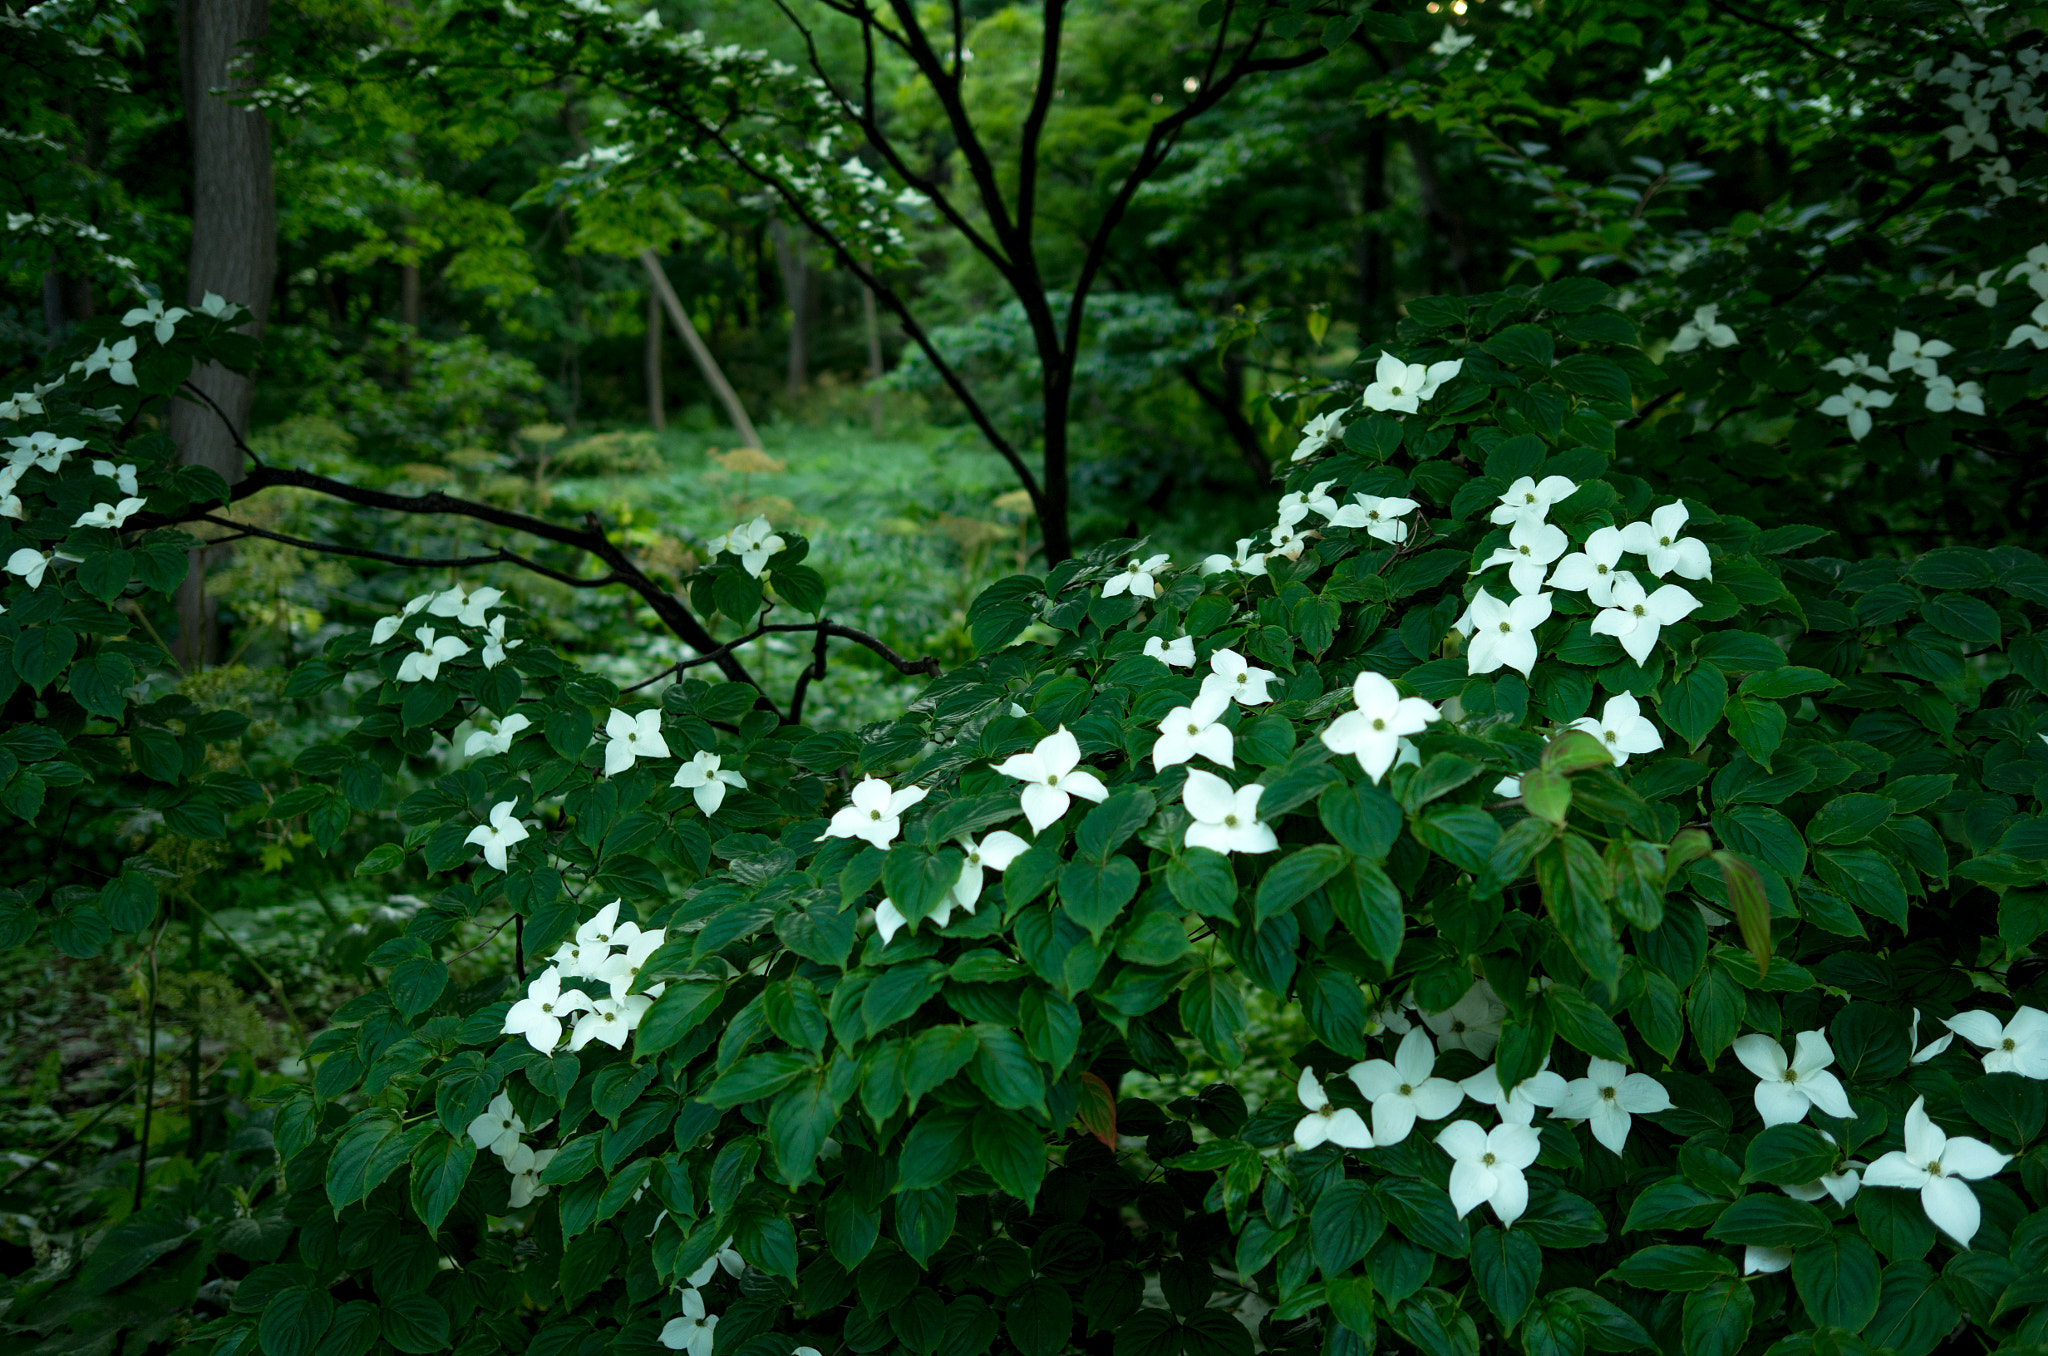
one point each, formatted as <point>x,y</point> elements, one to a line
<point>796,290</point>
<point>234,251</point>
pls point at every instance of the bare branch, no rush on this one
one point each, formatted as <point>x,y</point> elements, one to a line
<point>498,557</point>
<point>928,665</point>
<point>1034,121</point>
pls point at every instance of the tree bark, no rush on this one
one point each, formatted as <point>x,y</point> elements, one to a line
<point>706,364</point>
<point>234,252</point>
<point>796,291</point>
<point>1228,404</point>
<point>874,333</point>
<point>1448,225</point>
<point>657,404</point>
<point>1375,280</point>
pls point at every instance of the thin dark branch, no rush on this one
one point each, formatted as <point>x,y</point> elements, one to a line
<point>828,628</point>
<point>498,557</point>
<point>803,680</point>
<point>225,422</point>
<point>1655,404</point>
<point>1034,121</point>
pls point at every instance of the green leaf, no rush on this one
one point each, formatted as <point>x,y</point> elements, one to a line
<point>1788,1155</point>
<point>1344,1225</point>
<point>1012,1150</point>
<point>1870,1043</point>
<point>1849,819</point>
<point>294,1322</point>
<point>1914,1310</point>
<point>1110,825</point>
<point>1363,818</point>
<point>1003,1069</point>
<point>1716,1318</point>
<point>1758,726</point>
<point>440,1168</point>
<point>1295,876</point>
<point>1838,1281</point>
<point>917,880</point>
<point>1759,831</point>
<point>1584,1025</point>
<point>353,1331</point>
<point>757,1076</point>
<point>1423,1213</point>
<point>1212,1009</point>
<point>1095,894</point>
<point>416,984</point>
<point>1770,1222</point>
<point>1672,1266</point>
<point>1692,706</point>
<point>1369,906</point>
<point>1505,1268</point>
<point>133,1244</point>
<point>417,1324</point>
<point>1463,835</point>
<point>675,1015</point>
<point>1864,877</point>
<point>1200,880</point>
<point>1039,1318</point>
<point>1789,681</point>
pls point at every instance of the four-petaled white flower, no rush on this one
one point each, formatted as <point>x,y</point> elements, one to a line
<point>692,1330</point>
<point>424,664</point>
<point>1246,561</point>
<point>1234,674</point>
<point>117,361</point>
<point>1178,653</point>
<point>1052,775</point>
<point>526,1164</point>
<point>1705,327</point>
<point>387,627</point>
<point>1504,634</point>
<point>1472,1023</point>
<point>1540,1089</point>
<point>495,644</point>
<point>1939,1167</point>
<point>2034,268</point>
<point>630,738</point>
<point>610,1020</point>
<point>1786,1088</point>
<point>1486,1166</point>
<point>498,1128</point>
<point>726,1259</point>
<point>1591,569</point>
<point>122,475</point>
<point>153,314</point>
<point>752,542</point>
<point>1855,404</point>
<point>499,834</point>
<point>875,812</point>
<point>1326,1124</point>
<point>1856,365</point>
<point>1622,728</point>
<point>43,450</point>
<point>2019,1046</point>
<point>1638,618</point>
<point>1380,516</point>
<point>1923,1053</point>
<point>620,971</point>
<point>1317,434</point>
<point>495,736</point>
<point>1659,544</point>
<point>994,852</point>
<point>538,1016</point>
<point>1529,497</point>
<point>109,515</point>
<point>1532,545</point>
<point>1909,350</point>
<point>1225,821</point>
<point>1406,1090</point>
<point>1607,1097</point>
<point>1137,578</point>
<point>1196,728</point>
<point>31,564</point>
<point>471,609</point>
<point>217,306</point>
<point>1451,42</point>
<point>1285,541</point>
<point>706,781</point>
<point>603,930</point>
<point>1373,732</point>
<point>1944,394</point>
<point>1404,386</point>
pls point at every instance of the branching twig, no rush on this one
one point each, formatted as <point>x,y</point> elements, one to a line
<point>928,665</point>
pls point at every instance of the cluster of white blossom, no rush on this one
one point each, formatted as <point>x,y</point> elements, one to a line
<point>437,647</point>
<point>603,951</point>
<point>754,543</point>
<point>1977,91</point>
<point>500,1130</point>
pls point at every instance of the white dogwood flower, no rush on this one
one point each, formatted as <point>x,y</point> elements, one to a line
<point>498,1128</point>
<point>1666,552</point>
<point>1317,434</point>
<point>875,813</point>
<point>1486,1166</point>
<point>1529,497</point>
<point>117,361</point>
<point>213,304</point>
<point>1396,385</point>
<point>471,609</point>
<point>1137,578</point>
<point>1841,1185</point>
<point>2034,268</point>
<point>1855,404</point>
<point>1451,42</point>
<point>1944,394</point>
<point>1591,569</point>
<point>1472,1023</point>
<point>1856,365</point>
<point>629,738</point>
<point>1246,561</point>
<point>1541,1089</point>
<point>526,1164</point>
<point>610,1020</point>
<point>495,644</point>
<point>1052,775</point>
<point>1405,1090</point>
<point>1607,1097</point>
<point>1373,732</point>
<point>424,664</point>
<point>387,627</point>
<point>706,780</point>
<point>1909,350</point>
<point>1504,634</point>
<point>1939,1167</point>
<point>602,931</point>
<point>495,736</point>
<point>752,542</point>
<point>1196,729</point>
<point>1758,1260</point>
<point>692,1330</point>
<point>538,1016</point>
<point>1532,545</point>
<point>1178,653</point>
<point>994,852</point>
<point>726,1259</point>
<point>152,313</point>
<point>111,516</point>
<point>1923,1053</point>
<point>1786,1088</point>
<point>1225,821</point>
<point>1622,728</point>
<point>620,972</point>
<point>1637,618</point>
<point>122,475</point>
<point>2019,1046</point>
<point>1705,327</point>
<point>1381,516</point>
<point>31,564</point>
<point>1326,1124</point>
<point>497,836</point>
<point>1236,675</point>
<point>43,450</point>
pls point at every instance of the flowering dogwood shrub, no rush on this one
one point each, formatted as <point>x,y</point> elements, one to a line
<point>1613,853</point>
